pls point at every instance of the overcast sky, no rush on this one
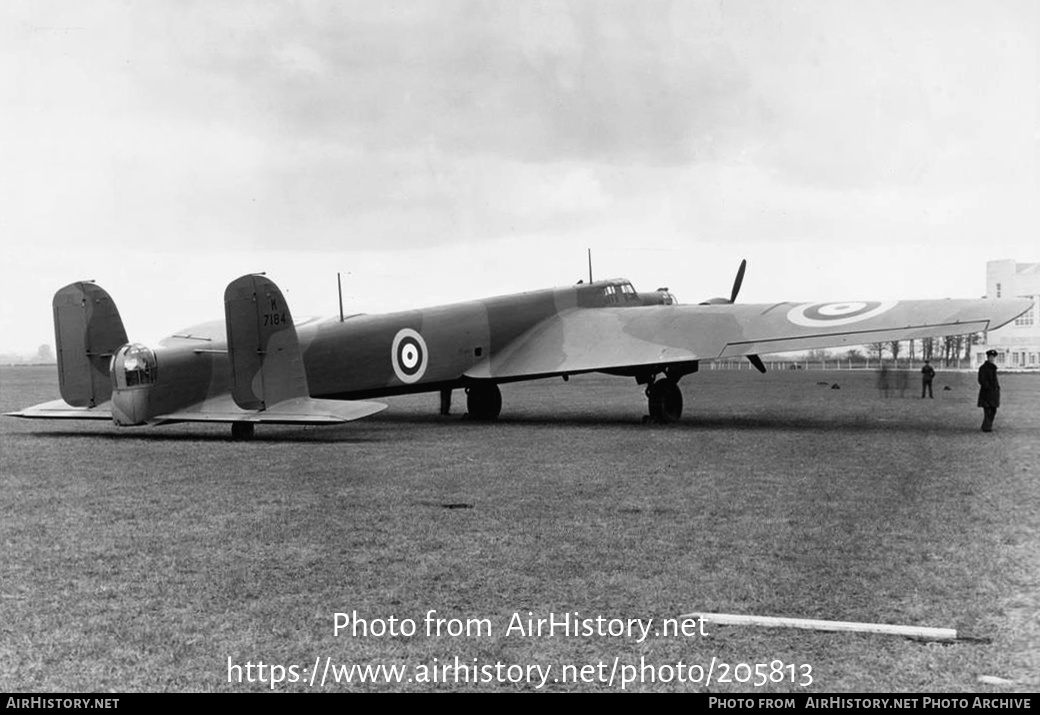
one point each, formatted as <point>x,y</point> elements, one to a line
<point>437,150</point>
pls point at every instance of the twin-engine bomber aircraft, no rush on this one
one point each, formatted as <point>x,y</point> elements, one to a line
<point>259,365</point>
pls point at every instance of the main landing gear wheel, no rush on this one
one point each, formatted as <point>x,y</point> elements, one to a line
<point>665,401</point>
<point>242,430</point>
<point>483,401</point>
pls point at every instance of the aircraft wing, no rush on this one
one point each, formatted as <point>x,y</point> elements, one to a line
<point>211,336</point>
<point>590,339</point>
<point>201,336</point>
<point>61,410</point>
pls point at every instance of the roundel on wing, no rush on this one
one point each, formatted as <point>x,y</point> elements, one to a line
<point>408,355</point>
<point>815,315</point>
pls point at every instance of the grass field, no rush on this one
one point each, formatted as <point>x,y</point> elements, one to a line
<point>142,559</point>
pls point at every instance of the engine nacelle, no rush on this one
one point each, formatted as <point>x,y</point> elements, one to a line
<point>134,371</point>
<point>661,296</point>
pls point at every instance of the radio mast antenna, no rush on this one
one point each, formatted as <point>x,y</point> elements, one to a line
<point>339,285</point>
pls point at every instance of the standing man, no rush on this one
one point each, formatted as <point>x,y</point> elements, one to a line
<point>927,373</point>
<point>989,390</point>
<point>882,380</point>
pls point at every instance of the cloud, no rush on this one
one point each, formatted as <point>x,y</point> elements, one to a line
<point>325,125</point>
<point>535,82</point>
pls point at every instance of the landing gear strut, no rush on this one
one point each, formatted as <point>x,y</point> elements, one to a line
<point>665,401</point>
<point>483,401</point>
<point>241,431</point>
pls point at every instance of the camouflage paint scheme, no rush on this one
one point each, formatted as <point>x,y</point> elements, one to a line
<point>353,358</point>
<point>298,372</point>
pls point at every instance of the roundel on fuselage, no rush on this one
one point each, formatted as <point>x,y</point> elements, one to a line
<point>815,315</point>
<point>408,355</point>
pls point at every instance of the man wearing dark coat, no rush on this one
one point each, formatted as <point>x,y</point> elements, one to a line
<point>989,390</point>
<point>927,374</point>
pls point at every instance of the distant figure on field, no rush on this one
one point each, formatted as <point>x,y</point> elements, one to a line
<point>445,402</point>
<point>989,390</point>
<point>902,381</point>
<point>882,380</point>
<point>927,375</point>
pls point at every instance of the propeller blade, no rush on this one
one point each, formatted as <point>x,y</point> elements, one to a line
<point>738,281</point>
<point>757,362</point>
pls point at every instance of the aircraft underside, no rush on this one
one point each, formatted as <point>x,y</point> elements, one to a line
<point>664,397</point>
<point>484,397</point>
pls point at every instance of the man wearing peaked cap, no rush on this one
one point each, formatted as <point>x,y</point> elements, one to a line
<point>989,390</point>
<point>927,375</point>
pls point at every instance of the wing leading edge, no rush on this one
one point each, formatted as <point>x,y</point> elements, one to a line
<point>585,340</point>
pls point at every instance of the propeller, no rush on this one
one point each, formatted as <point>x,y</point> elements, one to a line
<point>736,288</point>
<point>738,281</point>
<point>753,359</point>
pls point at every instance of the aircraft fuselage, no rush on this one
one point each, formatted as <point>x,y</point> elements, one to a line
<point>360,356</point>
<point>434,348</point>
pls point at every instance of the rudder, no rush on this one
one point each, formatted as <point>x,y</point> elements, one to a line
<point>87,332</point>
<point>263,350</point>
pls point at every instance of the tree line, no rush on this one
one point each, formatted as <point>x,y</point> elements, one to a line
<point>947,351</point>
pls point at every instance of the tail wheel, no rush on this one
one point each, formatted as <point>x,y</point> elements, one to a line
<point>665,401</point>
<point>484,401</point>
<point>242,431</point>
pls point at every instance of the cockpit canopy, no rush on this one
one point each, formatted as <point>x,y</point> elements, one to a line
<point>133,365</point>
<point>619,294</point>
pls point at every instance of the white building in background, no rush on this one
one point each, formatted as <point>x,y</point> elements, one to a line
<point>1017,343</point>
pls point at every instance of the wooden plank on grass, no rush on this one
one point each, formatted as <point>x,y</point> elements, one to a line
<point>938,634</point>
